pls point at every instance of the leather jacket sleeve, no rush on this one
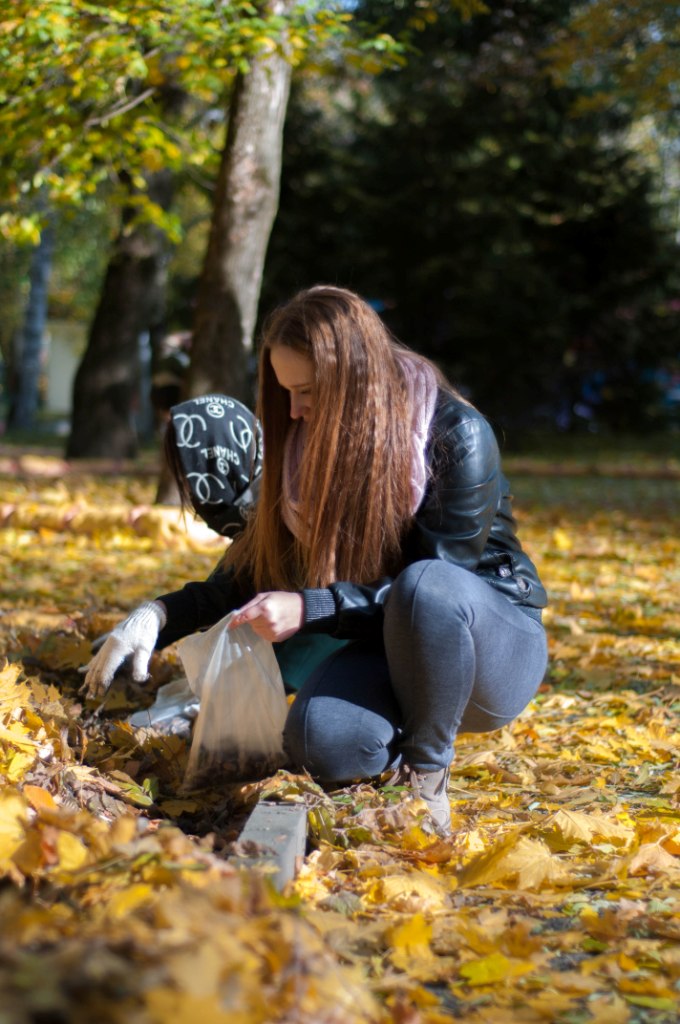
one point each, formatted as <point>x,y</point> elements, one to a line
<point>201,604</point>
<point>454,521</point>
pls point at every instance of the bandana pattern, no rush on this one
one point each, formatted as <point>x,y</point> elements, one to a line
<point>219,443</point>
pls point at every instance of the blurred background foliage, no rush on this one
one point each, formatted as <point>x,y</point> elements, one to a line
<point>500,180</point>
<point>524,243</point>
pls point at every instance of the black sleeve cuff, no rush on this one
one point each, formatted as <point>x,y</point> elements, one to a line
<point>180,614</point>
<point>320,612</point>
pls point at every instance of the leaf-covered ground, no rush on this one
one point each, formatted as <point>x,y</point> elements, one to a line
<point>556,900</point>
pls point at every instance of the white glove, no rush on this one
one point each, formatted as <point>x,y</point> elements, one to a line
<point>134,636</point>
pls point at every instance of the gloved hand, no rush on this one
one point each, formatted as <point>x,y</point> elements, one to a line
<point>99,642</point>
<point>135,636</point>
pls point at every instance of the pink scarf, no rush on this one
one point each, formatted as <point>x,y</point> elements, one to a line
<point>421,384</point>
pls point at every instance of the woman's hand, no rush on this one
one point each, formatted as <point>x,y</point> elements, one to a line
<point>274,616</point>
<point>135,638</point>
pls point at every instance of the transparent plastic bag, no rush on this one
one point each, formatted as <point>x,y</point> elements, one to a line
<point>172,712</point>
<point>239,729</point>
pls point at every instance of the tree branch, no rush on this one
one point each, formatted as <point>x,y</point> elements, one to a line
<point>121,109</point>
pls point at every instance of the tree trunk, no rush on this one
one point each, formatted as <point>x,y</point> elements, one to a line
<point>31,343</point>
<point>246,201</point>
<point>106,389</point>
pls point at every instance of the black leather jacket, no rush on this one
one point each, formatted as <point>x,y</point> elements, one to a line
<point>464,518</point>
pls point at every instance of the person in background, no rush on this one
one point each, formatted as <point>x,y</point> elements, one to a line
<point>213,448</point>
<point>169,375</point>
<point>384,525</point>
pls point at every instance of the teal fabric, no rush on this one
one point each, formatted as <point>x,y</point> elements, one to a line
<point>300,655</point>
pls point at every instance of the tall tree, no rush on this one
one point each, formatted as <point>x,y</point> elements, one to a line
<point>106,388</point>
<point>27,362</point>
<point>246,201</point>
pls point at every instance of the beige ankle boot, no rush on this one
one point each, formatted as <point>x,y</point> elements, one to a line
<point>431,788</point>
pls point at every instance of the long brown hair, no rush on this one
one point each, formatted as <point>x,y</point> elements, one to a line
<point>355,486</point>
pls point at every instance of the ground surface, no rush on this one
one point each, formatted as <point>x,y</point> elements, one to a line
<point>556,900</point>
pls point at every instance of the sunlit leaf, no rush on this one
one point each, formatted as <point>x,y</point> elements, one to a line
<point>494,968</point>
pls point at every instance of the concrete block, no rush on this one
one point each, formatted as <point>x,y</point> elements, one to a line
<point>274,837</point>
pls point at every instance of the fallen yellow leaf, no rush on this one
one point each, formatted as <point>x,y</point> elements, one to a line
<point>13,820</point>
<point>516,857</point>
<point>71,851</point>
<point>412,935</point>
<point>493,968</point>
<point>562,540</point>
<point>124,902</point>
<point>396,889</point>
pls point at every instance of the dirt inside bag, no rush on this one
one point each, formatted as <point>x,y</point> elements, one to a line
<point>238,732</point>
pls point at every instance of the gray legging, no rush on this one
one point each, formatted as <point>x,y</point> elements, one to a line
<point>457,657</point>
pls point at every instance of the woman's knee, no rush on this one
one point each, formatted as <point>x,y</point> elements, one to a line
<point>327,738</point>
<point>428,587</point>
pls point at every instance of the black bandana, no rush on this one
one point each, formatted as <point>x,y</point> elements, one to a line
<point>219,443</point>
